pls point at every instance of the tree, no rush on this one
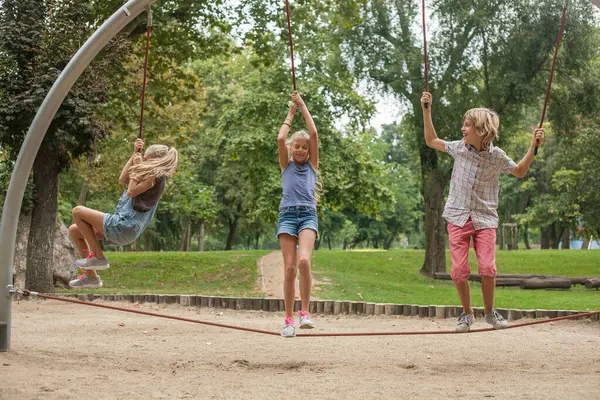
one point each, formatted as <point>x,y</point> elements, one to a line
<point>483,52</point>
<point>37,38</point>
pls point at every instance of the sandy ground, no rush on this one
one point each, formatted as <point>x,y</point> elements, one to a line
<point>69,351</point>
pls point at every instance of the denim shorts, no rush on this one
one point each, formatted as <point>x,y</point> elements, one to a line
<point>117,230</point>
<point>294,219</point>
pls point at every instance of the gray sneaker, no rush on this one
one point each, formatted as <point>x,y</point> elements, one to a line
<point>305,321</point>
<point>85,282</point>
<point>92,262</point>
<point>496,320</point>
<point>289,330</point>
<point>464,322</point>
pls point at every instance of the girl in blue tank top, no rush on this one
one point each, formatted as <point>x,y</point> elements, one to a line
<point>298,225</point>
<point>145,178</point>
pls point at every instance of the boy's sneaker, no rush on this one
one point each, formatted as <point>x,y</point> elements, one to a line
<point>305,321</point>
<point>464,322</point>
<point>85,282</point>
<point>92,262</point>
<point>496,320</point>
<point>289,330</point>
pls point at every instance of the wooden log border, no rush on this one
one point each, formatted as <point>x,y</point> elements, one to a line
<point>322,307</point>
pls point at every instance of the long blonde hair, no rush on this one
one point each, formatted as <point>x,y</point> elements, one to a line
<point>486,123</point>
<point>303,134</point>
<point>160,160</point>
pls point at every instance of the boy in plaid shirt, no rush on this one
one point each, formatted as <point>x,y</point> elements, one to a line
<point>472,202</point>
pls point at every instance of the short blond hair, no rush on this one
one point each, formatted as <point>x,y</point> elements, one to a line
<point>486,123</point>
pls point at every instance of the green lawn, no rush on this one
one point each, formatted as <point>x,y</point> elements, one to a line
<point>392,277</point>
<point>221,273</point>
<point>374,276</point>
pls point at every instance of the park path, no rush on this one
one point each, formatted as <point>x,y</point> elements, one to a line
<point>270,276</point>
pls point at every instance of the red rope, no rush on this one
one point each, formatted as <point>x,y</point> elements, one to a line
<point>27,293</point>
<point>145,74</point>
<point>425,52</point>
<point>545,321</point>
<point>560,32</point>
<point>30,293</point>
<point>289,23</point>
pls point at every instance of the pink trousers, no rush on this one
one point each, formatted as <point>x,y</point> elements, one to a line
<point>484,241</point>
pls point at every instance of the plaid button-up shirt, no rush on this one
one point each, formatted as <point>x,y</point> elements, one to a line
<point>474,184</point>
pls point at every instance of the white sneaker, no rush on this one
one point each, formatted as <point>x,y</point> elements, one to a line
<point>496,320</point>
<point>92,262</point>
<point>289,330</point>
<point>305,321</point>
<point>85,282</point>
<point>464,322</point>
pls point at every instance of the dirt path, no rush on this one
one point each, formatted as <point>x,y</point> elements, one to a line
<point>66,351</point>
<point>270,276</point>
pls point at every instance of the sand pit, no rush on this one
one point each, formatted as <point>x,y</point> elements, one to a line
<point>68,351</point>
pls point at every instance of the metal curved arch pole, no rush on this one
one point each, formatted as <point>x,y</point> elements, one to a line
<point>14,197</point>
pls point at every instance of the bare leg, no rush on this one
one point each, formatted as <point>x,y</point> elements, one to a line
<point>306,239</point>
<point>288,249</point>
<point>83,249</point>
<point>89,222</point>
<point>485,249</point>
<point>464,294</point>
<point>488,287</point>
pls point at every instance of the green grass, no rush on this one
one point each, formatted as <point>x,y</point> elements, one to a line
<point>379,276</point>
<point>392,277</point>
<point>219,273</point>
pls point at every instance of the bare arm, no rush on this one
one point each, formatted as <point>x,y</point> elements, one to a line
<point>312,131</point>
<point>135,188</point>
<point>124,177</point>
<point>523,166</point>
<point>431,137</point>
<point>281,138</point>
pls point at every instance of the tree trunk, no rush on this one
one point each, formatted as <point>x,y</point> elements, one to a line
<point>566,239</point>
<point>586,243</point>
<point>526,236</point>
<point>231,234</point>
<point>149,242</point>
<point>201,237</point>
<point>40,246</point>
<point>329,242</point>
<point>553,236</point>
<point>256,240</point>
<point>545,237</point>
<point>433,202</point>
<point>317,244</point>
<point>188,239</point>
<point>184,243</point>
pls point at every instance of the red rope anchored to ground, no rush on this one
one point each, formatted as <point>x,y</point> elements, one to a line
<point>239,328</point>
<point>44,296</point>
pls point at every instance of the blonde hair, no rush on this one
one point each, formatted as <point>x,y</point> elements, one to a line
<point>303,134</point>
<point>486,123</point>
<point>160,160</point>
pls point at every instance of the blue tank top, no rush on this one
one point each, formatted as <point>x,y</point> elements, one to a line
<point>298,181</point>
